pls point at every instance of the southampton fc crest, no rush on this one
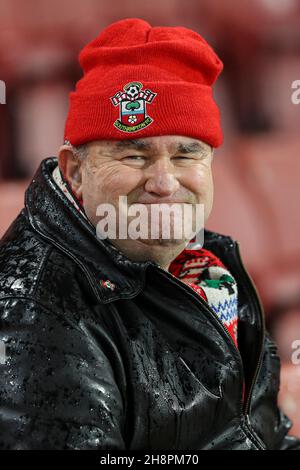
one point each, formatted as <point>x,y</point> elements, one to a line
<point>132,102</point>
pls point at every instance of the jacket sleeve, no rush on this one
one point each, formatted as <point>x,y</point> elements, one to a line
<point>58,382</point>
<point>285,441</point>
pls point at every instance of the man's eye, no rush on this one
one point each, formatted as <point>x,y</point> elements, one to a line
<point>183,158</point>
<point>134,157</point>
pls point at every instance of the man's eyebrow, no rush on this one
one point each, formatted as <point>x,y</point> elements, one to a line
<point>141,145</point>
<point>192,147</point>
<point>131,144</point>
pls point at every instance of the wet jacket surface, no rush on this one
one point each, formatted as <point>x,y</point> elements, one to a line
<point>146,365</point>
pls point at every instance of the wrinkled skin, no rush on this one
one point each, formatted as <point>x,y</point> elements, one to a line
<point>158,174</point>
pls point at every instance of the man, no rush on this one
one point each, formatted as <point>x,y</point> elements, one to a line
<point>135,342</point>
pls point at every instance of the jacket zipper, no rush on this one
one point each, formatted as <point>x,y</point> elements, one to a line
<point>244,406</point>
<point>256,296</point>
<point>260,309</point>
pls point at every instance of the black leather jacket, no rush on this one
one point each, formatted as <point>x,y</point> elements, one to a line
<point>146,365</point>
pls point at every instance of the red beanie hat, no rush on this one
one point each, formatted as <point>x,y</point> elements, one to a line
<point>142,81</point>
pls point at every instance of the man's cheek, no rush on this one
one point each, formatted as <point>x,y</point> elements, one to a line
<point>198,180</point>
<point>114,182</point>
<point>202,189</point>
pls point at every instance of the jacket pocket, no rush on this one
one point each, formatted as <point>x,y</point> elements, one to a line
<point>201,384</point>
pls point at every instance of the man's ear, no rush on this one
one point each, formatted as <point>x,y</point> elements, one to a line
<point>71,169</point>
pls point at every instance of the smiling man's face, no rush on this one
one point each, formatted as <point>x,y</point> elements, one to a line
<point>153,170</point>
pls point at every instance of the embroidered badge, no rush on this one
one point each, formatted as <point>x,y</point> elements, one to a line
<point>108,284</point>
<point>133,113</point>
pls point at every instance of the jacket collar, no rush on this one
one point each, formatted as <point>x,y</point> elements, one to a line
<point>112,275</point>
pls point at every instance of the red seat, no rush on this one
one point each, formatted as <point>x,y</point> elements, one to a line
<point>257,193</point>
<point>11,202</point>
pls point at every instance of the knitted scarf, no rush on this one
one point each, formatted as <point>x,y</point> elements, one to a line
<point>206,274</point>
<point>199,268</point>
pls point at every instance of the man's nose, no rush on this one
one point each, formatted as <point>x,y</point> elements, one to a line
<point>161,179</point>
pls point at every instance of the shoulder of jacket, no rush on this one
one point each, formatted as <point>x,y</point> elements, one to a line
<point>210,235</point>
<point>28,263</point>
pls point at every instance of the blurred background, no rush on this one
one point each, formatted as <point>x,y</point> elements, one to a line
<point>257,170</point>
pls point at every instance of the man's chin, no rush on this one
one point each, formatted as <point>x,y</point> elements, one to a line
<point>161,241</point>
<point>147,241</point>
